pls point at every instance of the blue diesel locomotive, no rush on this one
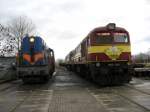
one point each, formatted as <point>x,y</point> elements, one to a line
<point>35,60</point>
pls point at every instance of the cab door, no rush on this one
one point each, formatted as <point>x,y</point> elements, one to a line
<point>84,50</point>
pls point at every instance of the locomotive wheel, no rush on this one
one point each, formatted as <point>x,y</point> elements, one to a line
<point>101,79</point>
<point>25,80</point>
<point>120,78</point>
<point>116,79</point>
<point>50,74</point>
<point>46,78</point>
<point>88,75</point>
<point>78,70</point>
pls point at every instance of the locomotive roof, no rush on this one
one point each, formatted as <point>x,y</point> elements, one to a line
<point>43,42</point>
<point>104,29</point>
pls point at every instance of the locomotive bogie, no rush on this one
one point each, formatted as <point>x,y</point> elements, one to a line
<point>102,73</point>
<point>33,71</point>
<point>110,73</point>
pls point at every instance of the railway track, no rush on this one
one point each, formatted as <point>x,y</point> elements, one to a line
<point>134,102</point>
<point>113,97</point>
<point>6,85</point>
<point>19,104</point>
<point>141,85</point>
<point>25,98</point>
<point>69,93</point>
<point>129,86</point>
<point>135,96</point>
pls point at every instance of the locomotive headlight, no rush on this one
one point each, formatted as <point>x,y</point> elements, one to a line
<point>32,39</point>
<point>98,64</point>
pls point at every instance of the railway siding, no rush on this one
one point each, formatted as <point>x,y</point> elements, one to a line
<point>67,92</point>
<point>123,99</point>
<point>37,101</point>
<point>114,102</point>
<point>136,96</point>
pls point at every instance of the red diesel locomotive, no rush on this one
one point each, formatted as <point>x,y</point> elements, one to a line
<point>104,55</point>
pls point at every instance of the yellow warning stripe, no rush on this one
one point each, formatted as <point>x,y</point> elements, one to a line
<point>109,48</point>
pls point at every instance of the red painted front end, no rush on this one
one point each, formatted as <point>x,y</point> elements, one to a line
<point>102,57</point>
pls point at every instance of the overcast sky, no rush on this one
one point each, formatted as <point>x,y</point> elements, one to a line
<point>64,23</point>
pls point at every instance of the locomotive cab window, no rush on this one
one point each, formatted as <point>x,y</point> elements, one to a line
<point>51,53</point>
<point>120,38</point>
<point>103,38</point>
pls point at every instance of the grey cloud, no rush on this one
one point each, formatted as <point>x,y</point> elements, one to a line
<point>9,9</point>
<point>147,39</point>
<point>71,6</point>
<point>53,8</point>
<point>147,19</point>
<point>34,5</point>
<point>40,10</point>
<point>67,35</point>
<point>147,1</point>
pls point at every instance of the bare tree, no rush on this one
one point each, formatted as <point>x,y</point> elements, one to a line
<point>6,42</point>
<point>19,27</point>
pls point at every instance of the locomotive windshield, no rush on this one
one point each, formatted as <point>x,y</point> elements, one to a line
<point>103,38</point>
<point>107,38</point>
<point>120,37</point>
